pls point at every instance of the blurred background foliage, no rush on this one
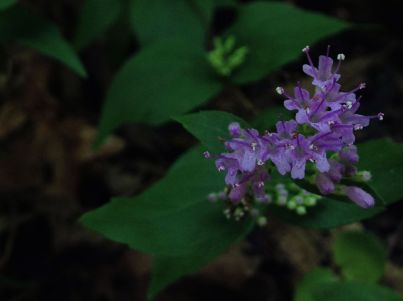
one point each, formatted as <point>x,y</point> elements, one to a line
<point>115,73</point>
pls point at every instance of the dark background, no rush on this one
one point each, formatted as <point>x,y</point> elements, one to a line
<point>49,174</point>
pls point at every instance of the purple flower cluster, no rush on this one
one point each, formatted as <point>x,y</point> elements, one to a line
<point>324,124</point>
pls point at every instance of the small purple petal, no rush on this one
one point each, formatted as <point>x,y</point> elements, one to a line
<point>234,129</point>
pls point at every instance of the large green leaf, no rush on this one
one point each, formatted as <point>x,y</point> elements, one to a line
<point>173,217</point>
<point>172,220</point>
<point>311,281</point>
<point>275,33</point>
<point>153,20</point>
<point>384,159</point>
<point>168,269</point>
<point>95,18</point>
<point>22,26</point>
<point>360,255</point>
<point>165,79</point>
<point>343,291</point>
<point>210,127</point>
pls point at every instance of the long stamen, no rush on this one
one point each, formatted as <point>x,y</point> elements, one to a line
<point>344,95</point>
<point>306,51</point>
<point>340,57</point>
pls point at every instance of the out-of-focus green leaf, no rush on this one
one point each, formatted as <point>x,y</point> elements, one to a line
<point>163,80</point>
<point>95,18</point>
<point>20,25</point>
<point>275,33</point>
<point>153,20</point>
<point>360,255</point>
<point>311,281</point>
<point>343,291</point>
<point>384,159</point>
<point>210,127</point>
<point>4,4</point>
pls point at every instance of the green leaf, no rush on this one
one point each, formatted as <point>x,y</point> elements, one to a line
<point>360,255</point>
<point>172,220</point>
<point>384,159</point>
<point>173,217</point>
<point>4,4</point>
<point>165,79</point>
<point>343,291</point>
<point>328,213</point>
<point>95,18</point>
<point>210,127</point>
<point>153,20</point>
<point>267,119</point>
<point>311,281</point>
<point>22,26</point>
<point>275,33</point>
<point>166,270</point>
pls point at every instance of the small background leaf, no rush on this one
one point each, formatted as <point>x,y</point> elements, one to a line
<point>4,4</point>
<point>312,280</point>
<point>360,255</point>
<point>95,18</point>
<point>343,291</point>
<point>153,20</point>
<point>20,25</point>
<point>275,33</point>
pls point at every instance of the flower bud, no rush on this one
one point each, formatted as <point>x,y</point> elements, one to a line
<point>359,196</point>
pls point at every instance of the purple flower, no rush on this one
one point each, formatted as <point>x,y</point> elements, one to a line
<point>255,180</point>
<point>348,155</point>
<point>276,151</point>
<point>325,123</point>
<point>359,196</point>
<point>323,74</point>
<point>335,172</point>
<point>302,150</point>
<point>324,183</point>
